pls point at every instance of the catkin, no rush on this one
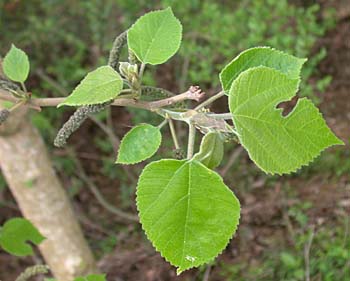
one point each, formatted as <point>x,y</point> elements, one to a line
<point>33,271</point>
<point>114,54</point>
<point>80,115</point>
<point>75,121</point>
<point>8,85</point>
<point>132,57</point>
<point>4,114</point>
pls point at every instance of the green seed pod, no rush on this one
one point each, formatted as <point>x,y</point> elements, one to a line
<point>76,120</point>
<point>114,54</point>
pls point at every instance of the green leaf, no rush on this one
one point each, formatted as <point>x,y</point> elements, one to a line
<point>140,143</point>
<point>92,277</point>
<point>211,151</point>
<point>14,236</point>
<point>101,85</point>
<point>16,65</point>
<point>260,56</point>
<point>187,211</point>
<point>155,37</point>
<point>277,144</point>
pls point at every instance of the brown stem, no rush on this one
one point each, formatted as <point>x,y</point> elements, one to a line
<point>192,93</point>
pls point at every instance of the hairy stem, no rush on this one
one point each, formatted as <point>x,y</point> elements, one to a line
<point>225,116</point>
<point>120,101</point>
<point>142,70</point>
<point>24,87</point>
<point>191,139</point>
<point>161,125</point>
<point>173,133</point>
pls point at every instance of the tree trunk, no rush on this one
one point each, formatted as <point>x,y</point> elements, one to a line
<point>29,173</point>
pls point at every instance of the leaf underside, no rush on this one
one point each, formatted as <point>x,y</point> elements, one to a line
<point>155,37</point>
<point>140,143</point>
<point>99,86</point>
<point>277,144</point>
<point>260,56</point>
<point>187,211</point>
<point>15,234</point>
<point>16,65</point>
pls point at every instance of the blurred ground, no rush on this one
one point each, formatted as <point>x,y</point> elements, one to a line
<point>280,216</point>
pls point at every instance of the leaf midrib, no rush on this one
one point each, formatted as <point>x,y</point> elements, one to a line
<point>153,39</point>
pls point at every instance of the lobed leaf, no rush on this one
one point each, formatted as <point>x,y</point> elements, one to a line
<point>15,234</point>
<point>277,144</point>
<point>140,143</point>
<point>155,37</point>
<point>99,86</point>
<point>187,211</point>
<point>16,65</point>
<point>211,150</point>
<point>260,56</point>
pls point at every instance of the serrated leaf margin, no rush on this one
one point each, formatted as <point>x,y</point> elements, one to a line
<point>178,271</point>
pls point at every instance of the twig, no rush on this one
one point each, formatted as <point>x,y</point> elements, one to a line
<point>161,125</point>
<point>142,70</point>
<point>231,160</point>
<point>307,254</point>
<point>24,87</point>
<point>94,189</point>
<point>173,133</point>
<point>210,100</point>
<point>42,75</point>
<point>113,138</point>
<point>207,273</point>
<point>85,220</point>
<point>17,105</point>
<point>115,143</point>
<point>191,139</point>
<point>225,116</point>
<point>152,105</point>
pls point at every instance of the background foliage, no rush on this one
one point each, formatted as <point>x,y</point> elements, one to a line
<point>66,39</point>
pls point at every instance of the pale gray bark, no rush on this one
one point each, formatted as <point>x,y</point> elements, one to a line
<point>25,163</point>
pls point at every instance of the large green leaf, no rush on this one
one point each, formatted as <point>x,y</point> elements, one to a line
<point>16,65</point>
<point>277,144</point>
<point>187,211</point>
<point>260,56</point>
<point>98,86</point>
<point>15,234</point>
<point>155,37</point>
<point>140,143</point>
<point>211,151</point>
